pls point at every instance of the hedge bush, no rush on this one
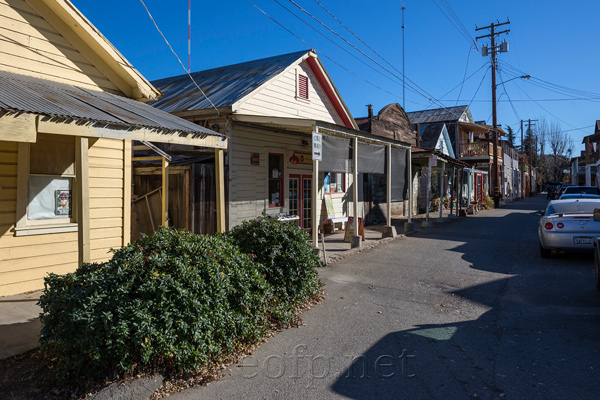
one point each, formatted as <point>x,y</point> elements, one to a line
<point>284,254</point>
<point>172,300</point>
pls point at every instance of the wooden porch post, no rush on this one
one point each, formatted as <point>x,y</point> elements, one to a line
<point>389,230</point>
<point>220,183</point>
<point>314,216</point>
<point>356,240</point>
<point>389,185</point>
<point>165,193</point>
<point>82,179</point>
<point>442,191</point>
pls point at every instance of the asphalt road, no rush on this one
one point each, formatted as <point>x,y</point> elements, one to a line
<point>467,309</point>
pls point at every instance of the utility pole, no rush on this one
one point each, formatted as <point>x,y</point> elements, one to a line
<point>522,164</point>
<point>493,49</point>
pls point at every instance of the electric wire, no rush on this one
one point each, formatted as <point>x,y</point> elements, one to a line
<point>455,21</point>
<point>479,87</point>
<point>178,59</point>
<point>509,99</point>
<point>466,68</point>
<point>404,79</point>
<point>323,54</point>
<point>337,45</point>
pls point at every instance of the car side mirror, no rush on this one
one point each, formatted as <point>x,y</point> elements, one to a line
<point>597,214</point>
<point>540,213</point>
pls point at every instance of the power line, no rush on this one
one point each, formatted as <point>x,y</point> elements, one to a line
<point>466,68</point>
<point>340,47</point>
<point>178,59</point>
<point>422,91</point>
<point>323,54</point>
<point>455,21</point>
<point>479,87</point>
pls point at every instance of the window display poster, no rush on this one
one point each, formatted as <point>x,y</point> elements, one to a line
<point>63,202</point>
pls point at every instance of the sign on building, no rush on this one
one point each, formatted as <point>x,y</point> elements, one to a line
<point>317,146</point>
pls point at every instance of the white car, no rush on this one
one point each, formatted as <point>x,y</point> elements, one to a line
<point>568,225</point>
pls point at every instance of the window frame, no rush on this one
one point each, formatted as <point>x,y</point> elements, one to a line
<point>343,179</point>
<point>25,226</point>
<point>279,179</point>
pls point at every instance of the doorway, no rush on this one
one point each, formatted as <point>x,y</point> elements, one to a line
<point>300,199</point>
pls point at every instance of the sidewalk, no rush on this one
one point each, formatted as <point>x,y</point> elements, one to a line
<point>19,314</point>
<point>19,323</point>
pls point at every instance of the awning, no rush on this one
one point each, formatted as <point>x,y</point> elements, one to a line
<point>480,128</point>
<point>30,95</point>
<point>420,156</point>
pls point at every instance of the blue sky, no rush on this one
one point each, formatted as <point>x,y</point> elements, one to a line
<point>553,41</point>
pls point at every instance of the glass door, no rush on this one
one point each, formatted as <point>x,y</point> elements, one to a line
<point>306,216</point>
<point>294,197</point>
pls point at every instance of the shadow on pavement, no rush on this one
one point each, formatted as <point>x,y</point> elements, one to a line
<point>537,337</point>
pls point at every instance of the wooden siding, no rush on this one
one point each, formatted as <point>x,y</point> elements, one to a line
<point>106,163</point>
<point>26,260</point>
<point>31,46</point>
<point>277,98</point>
<point>248,184</point>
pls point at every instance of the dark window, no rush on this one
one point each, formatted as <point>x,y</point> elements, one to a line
<point>275,180</point>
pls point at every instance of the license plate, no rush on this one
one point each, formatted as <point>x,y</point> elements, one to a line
<point>582,240</point>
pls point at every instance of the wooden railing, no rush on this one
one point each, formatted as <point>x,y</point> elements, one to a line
<point>483,149</point>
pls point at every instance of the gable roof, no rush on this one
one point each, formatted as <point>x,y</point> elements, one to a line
<point>82,34</point>
<point>435,136</point>
<point>448,114</point>
<point>223,85</point>
<point>227,85</point>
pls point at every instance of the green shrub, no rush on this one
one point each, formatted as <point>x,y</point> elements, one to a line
<point>172,300</point>
<point>286,258</point>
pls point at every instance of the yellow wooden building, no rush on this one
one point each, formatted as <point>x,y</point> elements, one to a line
<point>69,112</point>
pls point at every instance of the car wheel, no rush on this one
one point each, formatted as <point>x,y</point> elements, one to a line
<point>597,268</point>
<point>545,253</point>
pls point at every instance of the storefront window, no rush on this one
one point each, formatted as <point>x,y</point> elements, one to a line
<point>275,180</point>
<point>333,182</point>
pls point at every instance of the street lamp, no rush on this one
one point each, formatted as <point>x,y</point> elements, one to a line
<point>516,77</point>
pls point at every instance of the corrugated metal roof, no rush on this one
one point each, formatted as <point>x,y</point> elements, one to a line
<point>448,114</point>
<point>19,93</point>
<point>223,86</point>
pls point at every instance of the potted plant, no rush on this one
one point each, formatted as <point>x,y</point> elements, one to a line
<point>327,226</point>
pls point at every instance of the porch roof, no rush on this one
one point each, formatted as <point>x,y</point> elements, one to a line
<point>307,126</point>
<point>29,95</point>
<point>420,156</point>
<point>481,127</point>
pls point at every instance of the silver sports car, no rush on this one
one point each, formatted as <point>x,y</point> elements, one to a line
<point>568,225</point>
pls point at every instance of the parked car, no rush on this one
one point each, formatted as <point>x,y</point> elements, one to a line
<point>567,196</point>
<point>580,190</point>
<point>568,225</point>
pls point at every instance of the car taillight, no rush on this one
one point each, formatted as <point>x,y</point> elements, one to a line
<point>549,225</point>
<point>560,225</point>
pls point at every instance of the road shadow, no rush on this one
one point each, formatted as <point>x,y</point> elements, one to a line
<point>537,336</point>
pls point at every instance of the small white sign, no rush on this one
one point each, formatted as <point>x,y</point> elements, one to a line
<point>317,146</point>
<point>433,160</point>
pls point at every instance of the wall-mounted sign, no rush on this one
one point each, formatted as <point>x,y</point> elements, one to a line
<point>303,158</point>
<point>255,159</point>
<point>317,146</point>
<point>63,202</point>
<point>433,160</point>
